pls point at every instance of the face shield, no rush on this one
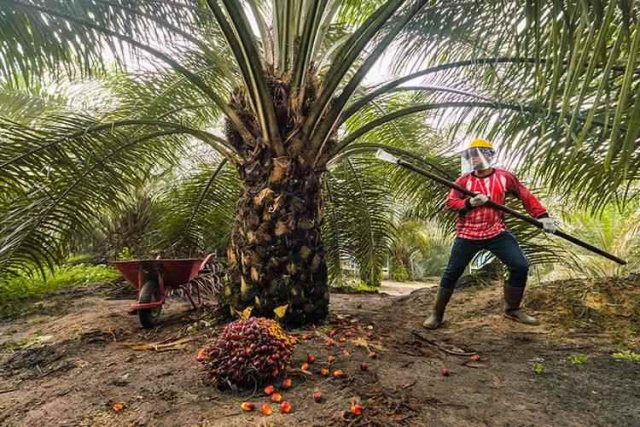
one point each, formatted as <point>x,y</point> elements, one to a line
<point>475,159</point>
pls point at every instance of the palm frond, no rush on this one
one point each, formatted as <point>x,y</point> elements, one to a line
<point>107,34</point>
<point>331,121</point>
<point>26,104</point>
<point>572,62</point>
<point>359,216</point>
<point>50,200</point>
<point>345,59</point>
<point>197,210</point>
<point>54,42</point>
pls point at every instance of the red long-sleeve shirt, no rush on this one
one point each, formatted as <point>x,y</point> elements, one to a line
<point>484,222</point>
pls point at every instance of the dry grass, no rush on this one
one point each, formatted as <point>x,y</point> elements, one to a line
<point>609,305</point>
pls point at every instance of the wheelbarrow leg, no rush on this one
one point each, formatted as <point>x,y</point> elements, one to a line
<point>197,285</point>
<point>188,293</point>
<point>131,310</point>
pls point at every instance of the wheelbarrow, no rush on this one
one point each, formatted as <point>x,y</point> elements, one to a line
<point>155,279</point>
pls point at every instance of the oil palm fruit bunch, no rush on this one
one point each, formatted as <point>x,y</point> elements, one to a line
<point>248,351</point>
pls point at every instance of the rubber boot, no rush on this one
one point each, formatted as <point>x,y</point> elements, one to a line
<point>513,298</point>
<point>442,299</point>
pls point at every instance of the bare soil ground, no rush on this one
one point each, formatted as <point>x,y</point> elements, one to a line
<point>71,362</point>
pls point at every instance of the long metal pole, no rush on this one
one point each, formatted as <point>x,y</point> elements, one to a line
<point>510,211</point>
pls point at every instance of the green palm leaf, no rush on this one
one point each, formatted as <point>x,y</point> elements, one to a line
<point>359,217</point>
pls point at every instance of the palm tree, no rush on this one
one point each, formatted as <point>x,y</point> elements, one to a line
<point>424,243</point>
<point>285,80</point>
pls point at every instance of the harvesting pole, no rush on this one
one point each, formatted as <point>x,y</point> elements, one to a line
<point>390,158</point>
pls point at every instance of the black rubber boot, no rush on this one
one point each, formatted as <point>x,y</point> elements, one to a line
<point>513,298</point>
<point>442,299</point>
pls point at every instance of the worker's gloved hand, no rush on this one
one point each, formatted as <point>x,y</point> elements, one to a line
<point>548,225</point>
<point>478,200</point>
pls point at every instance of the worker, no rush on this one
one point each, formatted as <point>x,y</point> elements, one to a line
<point>482,227</point>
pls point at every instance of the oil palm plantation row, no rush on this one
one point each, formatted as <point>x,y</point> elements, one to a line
<point>277,90</point>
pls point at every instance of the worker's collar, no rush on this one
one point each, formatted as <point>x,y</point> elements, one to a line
<point>493,170</point>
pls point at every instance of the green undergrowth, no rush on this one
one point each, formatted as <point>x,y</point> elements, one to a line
<point>355,287</point>
<point>21,289</point>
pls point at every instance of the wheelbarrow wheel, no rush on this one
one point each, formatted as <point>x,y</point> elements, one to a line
<point>149,317</point>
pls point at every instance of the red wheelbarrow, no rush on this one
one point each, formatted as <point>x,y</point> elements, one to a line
<point>155,278</point>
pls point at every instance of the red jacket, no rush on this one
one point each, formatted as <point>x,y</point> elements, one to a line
<point>484,222</point>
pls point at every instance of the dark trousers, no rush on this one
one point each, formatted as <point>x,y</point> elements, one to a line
<point>504,246</point>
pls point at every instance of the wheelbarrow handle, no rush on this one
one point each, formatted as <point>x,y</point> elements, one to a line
<point>204,262</point>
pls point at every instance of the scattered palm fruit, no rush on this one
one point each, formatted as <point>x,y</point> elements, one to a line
<point>317,396</point>
<point>342,339</point>
<point>286,384</point>
<point>364,366</point>
<point>247,350</point>
<point>332,332</point>
<point>338,373</point>
<point>331,358</point>
<point>305,366</point>
<point>330,343</point>
<point>201,355</point>
<point>475,357</point>
<point>285,407</point>
<point>445,372</point>
<point>276,397</point>
<point>324,372</point>
<point>372,354</point>
<point>247,406</point>
<point>266,409</point>
<point>356,409</point>
<point>348,334</point>
<point>311,358</point>
<point>118,407</point>
<point>268,390</point>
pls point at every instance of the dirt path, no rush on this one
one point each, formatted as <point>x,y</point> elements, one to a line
<point>64,368</point>
<point>404,288</point>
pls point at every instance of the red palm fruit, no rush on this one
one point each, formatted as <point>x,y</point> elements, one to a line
<point>285,407</point>
<point>356,409</point>
<point>247,406</point>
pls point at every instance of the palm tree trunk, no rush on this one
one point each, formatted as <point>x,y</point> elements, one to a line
<point>276,255</point>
